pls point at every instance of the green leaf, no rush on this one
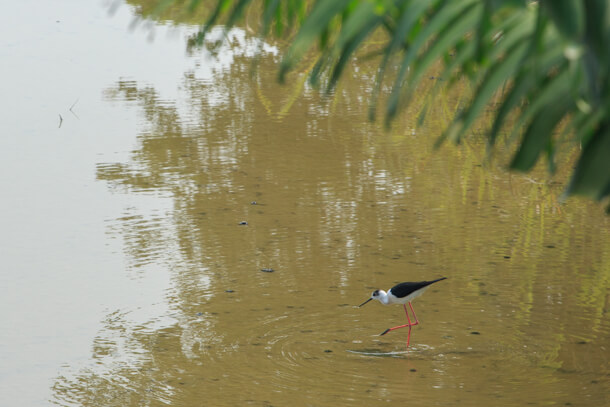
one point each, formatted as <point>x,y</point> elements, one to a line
<point>525,82</point>
<point>349,49</point>
<point>221,6</point>
<point>313,27</point>
<point>582,125</point>
<point>592,174</point>
<point>269,12</point>
<point>498,74</point>
<point>568,16</point>
<point>408,17</point>
<point>357,19</point>
<point>563,83</point>
<point>445,41</point>
<point>237,12</point>
<point>358,22</point>
<point>279,26</point>
<point>437,22</point>
<point>538,135</point>
<point>512,30</point>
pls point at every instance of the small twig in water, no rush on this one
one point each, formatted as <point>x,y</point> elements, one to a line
<point>74,104</point>
<point>61,119</point>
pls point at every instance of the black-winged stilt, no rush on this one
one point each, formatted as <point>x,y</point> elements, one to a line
<point>402,293</point>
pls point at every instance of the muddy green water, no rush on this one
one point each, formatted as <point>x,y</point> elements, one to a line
<point>136,234</point>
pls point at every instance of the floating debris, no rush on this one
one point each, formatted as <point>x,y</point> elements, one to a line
<point>243,222</point>
<point>229,291</point>
<point>267,270</point>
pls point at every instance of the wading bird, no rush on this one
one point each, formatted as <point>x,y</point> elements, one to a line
<point>402,293</point>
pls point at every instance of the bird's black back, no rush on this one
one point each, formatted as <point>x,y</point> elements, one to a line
<point>403,289</point>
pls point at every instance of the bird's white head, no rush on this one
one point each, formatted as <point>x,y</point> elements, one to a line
<point>378,295</point>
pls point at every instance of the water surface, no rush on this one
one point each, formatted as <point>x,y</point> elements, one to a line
<point>216,231</point>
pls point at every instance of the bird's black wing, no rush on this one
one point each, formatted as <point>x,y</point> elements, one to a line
<point>403,289</point>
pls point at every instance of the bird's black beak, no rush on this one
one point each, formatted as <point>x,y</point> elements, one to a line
<point>365,302</point>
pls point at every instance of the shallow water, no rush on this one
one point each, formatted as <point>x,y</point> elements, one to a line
<point>194,235</point>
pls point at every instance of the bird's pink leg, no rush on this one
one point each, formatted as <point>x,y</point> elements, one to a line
<point>414,316</point>
<point>391,329</point>
<point>409,325</point>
